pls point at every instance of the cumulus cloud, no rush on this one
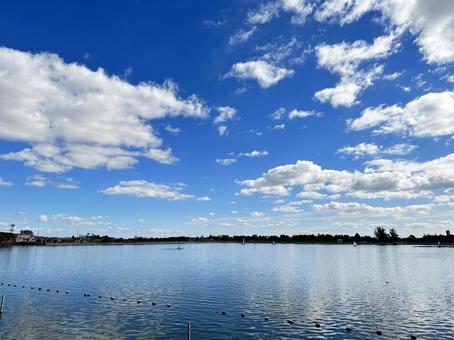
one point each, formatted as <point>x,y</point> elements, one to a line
<point>257,214</point>
<point>380,178</point>
<point>71,116</point>
<point>265,73</point>
<point>371,149</point>
<point>142,188</point>
<point>226,113</point>
<point>431,115</point>
<point>432,26</point>
<point>345,59</point>
<point>299,9</point>
<point>4,183</point>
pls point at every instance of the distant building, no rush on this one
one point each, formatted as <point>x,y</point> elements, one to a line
<point>448,233</point>
<point>25,237</point>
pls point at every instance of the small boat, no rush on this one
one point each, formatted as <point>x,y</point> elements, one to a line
<point>243,243</point>
<point>354,244</point>
<point>179,248</point>
<point>274,243</point>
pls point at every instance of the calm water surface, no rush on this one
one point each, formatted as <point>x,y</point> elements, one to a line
<point>400,290</point>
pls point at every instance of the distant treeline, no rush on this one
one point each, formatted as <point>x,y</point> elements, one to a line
<point>381,236</point>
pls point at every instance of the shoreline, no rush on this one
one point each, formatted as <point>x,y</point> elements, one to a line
<point>75,244</point>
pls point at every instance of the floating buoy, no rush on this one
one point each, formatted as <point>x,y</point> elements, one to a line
<point>32,288</point>
<point>85,295</point>
<point>223,313</point>
<point>9,284</point>
<point>138,301</point>
<point>67,292</point>
<point>379,333</point>
<point>290,322</point>
<point>15,285</point>
<point>112,298</point>
<point>317,325</point>
<point>266,318</point>
<point>48,289</point>
<point>242,315</point>
<point>39,288</point>
<point>168,305</point>
<point>413,337</point>
<point>99,297</point>
<point>153,303</point>
<point>124,300</point>
<point>23,286</point>
<point>348,329</point>
<point>59,291</point>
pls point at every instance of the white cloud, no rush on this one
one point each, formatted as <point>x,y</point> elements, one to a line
<point>380,178</point>
<point>72,116</point>
<point>311,195</point>
<point>199,219</point>
<point>173,130</point>
<point>142,188</point>
<point>241,36</point>
<point>356,208</point>
<point>225,113</point>
<point>287,209</point>
<point>43,218</point>
<point>225,161</point>
<point>42,181</point>
<point>74,220</point>
<point>432,25</point>
<point>371,149</point>
<point>265,73</point>
<point>392,76</point>
<point>253,154</point>
<point>345,59</point>
<point>431,115</point>
<point>302,114</point>
<point>257,214</point>
<point>278,114</point>
<point>299,9</point>
<point>279,127</point>
<point>4,183</point>
<point>222,130</point>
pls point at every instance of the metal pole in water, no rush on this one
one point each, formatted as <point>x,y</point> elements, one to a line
<point>189,331</point>
<point>1,305</point>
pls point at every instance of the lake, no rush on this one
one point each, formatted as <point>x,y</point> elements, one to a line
<point>399,290</point>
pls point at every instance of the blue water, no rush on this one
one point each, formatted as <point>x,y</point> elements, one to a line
<point>400,290</point>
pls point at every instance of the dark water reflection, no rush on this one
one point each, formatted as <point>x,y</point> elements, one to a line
<point>400,290</point>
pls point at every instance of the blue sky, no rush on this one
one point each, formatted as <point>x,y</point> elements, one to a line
<point>226,117</point>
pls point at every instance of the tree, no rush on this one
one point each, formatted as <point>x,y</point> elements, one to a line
<point>393,234</point>
<point>381,234</point>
